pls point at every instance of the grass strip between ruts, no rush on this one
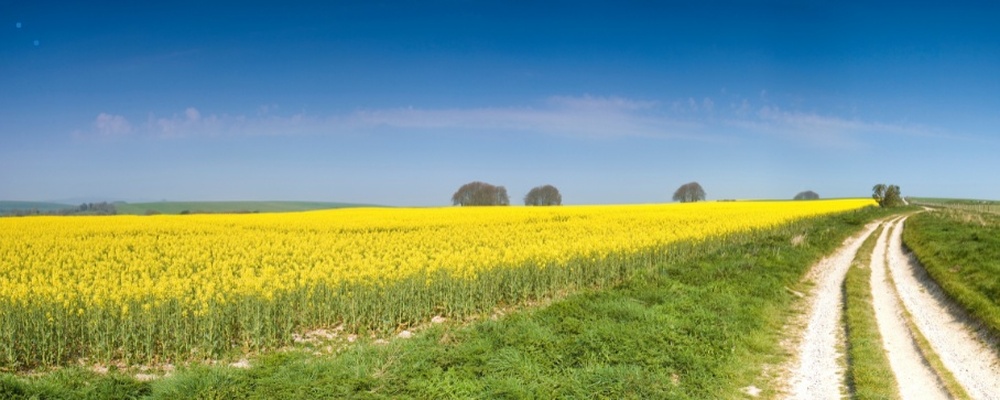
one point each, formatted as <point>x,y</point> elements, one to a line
<point>869,375</point>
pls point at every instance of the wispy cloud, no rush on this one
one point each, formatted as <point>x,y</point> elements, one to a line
<point>105,127</point>
<point>108,125</point>
<point>586,117</point>
<point>601,104</point>
<point>817,129</point>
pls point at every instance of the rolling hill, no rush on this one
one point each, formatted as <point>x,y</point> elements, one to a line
<point>8,207</point>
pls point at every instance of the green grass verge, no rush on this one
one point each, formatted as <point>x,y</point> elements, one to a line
<point>961,252</point>
<point>869,375</point>
<point>176,207</point>
<point>699,324</point>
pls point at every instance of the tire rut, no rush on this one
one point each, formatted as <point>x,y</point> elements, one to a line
<point>915,378</point>
<point>903,296</point>
<point>964,352</point>
<point>816,371</point>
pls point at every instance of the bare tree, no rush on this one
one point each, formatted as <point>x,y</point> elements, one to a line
<point>546,195</point>
<point>807,195</point>
<point>887,195</point>
<point>480,194</point>
<point>689,192</point>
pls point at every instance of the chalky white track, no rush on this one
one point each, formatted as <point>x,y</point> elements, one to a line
<point>898,283</point>
<point>970,359</point>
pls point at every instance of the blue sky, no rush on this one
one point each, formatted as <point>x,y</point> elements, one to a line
<point>400,103</point>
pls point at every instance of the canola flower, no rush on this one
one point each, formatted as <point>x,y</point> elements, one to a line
<point>160,287</point>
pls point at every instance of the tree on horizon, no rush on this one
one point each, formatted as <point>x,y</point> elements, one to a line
<point>546,195</point>
<point>807,195</point>
<point>689,192</point>
<point>480,194</point>
<point>887,195</point>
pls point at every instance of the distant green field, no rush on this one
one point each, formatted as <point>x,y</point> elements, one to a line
<point>7,207</point>
<point>990,206</point>
<point>939,200</point>
<point>177,207</point>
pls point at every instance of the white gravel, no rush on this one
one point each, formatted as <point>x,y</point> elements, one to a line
<point>916,380</point>
<point>816,372</point>
<point>975,365</point>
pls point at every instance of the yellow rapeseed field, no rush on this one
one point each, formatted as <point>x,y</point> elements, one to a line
<point>162,287</point>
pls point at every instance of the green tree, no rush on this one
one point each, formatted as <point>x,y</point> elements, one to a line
<point>878,193</point>
<point>546,195</point>
<point>893,197</point>
<point>689,192</point>
<point>887,195</point>
<point>480,194</point>
<point>807,195</point>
